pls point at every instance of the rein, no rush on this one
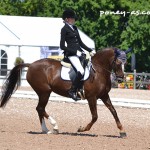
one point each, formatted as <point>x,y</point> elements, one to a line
<point>113,63</point>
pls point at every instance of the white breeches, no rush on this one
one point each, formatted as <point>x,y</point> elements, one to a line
<point>76,63</point>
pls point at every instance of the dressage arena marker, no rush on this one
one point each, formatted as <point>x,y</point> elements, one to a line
<point>129,103</point>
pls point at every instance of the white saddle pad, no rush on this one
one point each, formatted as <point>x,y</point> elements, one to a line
<point>65,73</point>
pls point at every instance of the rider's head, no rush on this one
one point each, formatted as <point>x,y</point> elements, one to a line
<point>69,16</point>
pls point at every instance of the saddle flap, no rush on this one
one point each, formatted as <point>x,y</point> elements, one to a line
<point>65,73</point>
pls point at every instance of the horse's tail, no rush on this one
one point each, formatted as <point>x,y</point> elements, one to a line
<point>11,83</point>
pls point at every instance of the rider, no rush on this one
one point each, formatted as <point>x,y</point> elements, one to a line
<point>73,50</point>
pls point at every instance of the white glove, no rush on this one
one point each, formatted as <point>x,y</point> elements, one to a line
<point>79,53</point>
<point>92,54</point>
<point>88,56</point>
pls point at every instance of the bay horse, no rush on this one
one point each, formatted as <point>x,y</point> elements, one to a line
<point>44,77</point>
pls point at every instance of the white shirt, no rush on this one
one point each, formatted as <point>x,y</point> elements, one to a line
<point>70,26</point>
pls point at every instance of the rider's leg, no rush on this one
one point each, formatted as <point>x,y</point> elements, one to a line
<point>75,61</point>
<point>80,72</point>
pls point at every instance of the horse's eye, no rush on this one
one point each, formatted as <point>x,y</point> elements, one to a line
<point>118,62</point>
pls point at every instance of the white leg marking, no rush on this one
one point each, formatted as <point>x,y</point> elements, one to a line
<point>53,122</point>
<point>44,128</point>
<point>123,67</point>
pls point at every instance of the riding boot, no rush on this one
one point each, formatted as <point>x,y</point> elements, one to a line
<point>75,85</point>
<point>73,93</point>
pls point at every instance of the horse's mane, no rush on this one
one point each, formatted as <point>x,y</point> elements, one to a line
<point>106,49</point>
<point>101,52</point>
<point>103,56</point>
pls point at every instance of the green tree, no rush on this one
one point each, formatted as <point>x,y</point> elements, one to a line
<point>10,7</point>
<point>124,30</point>
<point>137,34</point>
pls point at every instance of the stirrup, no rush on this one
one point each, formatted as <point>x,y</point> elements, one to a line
<point>73,95</point>
<point>81,94</point>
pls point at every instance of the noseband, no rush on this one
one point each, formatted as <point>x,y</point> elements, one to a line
<point>114,67</point>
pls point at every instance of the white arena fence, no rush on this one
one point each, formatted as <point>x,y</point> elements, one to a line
<point>132,80</point>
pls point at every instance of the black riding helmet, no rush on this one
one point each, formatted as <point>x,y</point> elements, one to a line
<point>69,14</point>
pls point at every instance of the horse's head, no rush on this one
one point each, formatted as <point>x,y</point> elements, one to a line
<point>118,63</point>
<point>111,59</point>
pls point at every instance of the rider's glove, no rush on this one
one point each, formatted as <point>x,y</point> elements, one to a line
<point>79,53</point>
<point>88,56</point>
<point>92,53</point>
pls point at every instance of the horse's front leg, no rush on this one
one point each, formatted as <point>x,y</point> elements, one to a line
<point>106,100</point>
<point>93,108</point>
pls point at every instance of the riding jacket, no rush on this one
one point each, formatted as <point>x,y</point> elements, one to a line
<point>73,40</point>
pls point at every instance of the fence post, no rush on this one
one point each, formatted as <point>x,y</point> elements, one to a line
<point>134,79</point>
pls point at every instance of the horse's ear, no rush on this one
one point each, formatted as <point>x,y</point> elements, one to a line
<point>117,52</point>
<point>129,50</point>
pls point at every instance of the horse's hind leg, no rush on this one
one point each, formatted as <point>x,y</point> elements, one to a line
<point>43,100</point>
<point>106,100</point>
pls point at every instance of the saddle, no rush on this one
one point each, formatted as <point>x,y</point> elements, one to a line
<point>68,72</point>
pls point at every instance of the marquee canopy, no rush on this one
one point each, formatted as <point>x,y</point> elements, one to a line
<point>34,31</point>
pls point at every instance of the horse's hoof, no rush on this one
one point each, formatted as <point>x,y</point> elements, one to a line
<point>49,132</point>
<point>123,134</point>
<point>45,132</point>
<point>81,129</point>
<point>55,131</point>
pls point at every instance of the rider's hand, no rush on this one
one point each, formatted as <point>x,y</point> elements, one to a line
<point>92,53</point>
<point>88,56</point>
<point>79,53</point>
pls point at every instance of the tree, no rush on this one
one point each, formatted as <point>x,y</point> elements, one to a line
<point>123,24</point>
<point>10,7</point>
<point>137,34</point>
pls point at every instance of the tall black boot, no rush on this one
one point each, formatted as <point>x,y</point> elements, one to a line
<point>73,93</point>
<point>75,85</point>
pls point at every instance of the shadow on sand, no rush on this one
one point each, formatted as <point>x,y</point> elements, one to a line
<point>111,136</point>
<point>78,134</point>
<point>67,133</point>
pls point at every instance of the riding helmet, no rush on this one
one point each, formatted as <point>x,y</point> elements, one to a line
<point>69,14</point>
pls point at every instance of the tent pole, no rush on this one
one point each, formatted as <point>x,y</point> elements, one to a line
<point>19,52</point>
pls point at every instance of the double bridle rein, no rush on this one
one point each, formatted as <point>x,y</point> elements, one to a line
<point>113,65</point>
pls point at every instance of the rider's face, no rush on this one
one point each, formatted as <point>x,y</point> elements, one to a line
<point>71,21</point>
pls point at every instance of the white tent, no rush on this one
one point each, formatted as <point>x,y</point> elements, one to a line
<point>34,31</point>
<point>24,36</point>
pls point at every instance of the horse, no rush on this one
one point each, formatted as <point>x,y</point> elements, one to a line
<point>44,77</point>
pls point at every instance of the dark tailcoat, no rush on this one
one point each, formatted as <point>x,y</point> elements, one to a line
<point>73,40</point>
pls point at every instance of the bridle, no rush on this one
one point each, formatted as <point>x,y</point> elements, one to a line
<point>114,68</point>
<point>119,78</point>
<point>113,65</point>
